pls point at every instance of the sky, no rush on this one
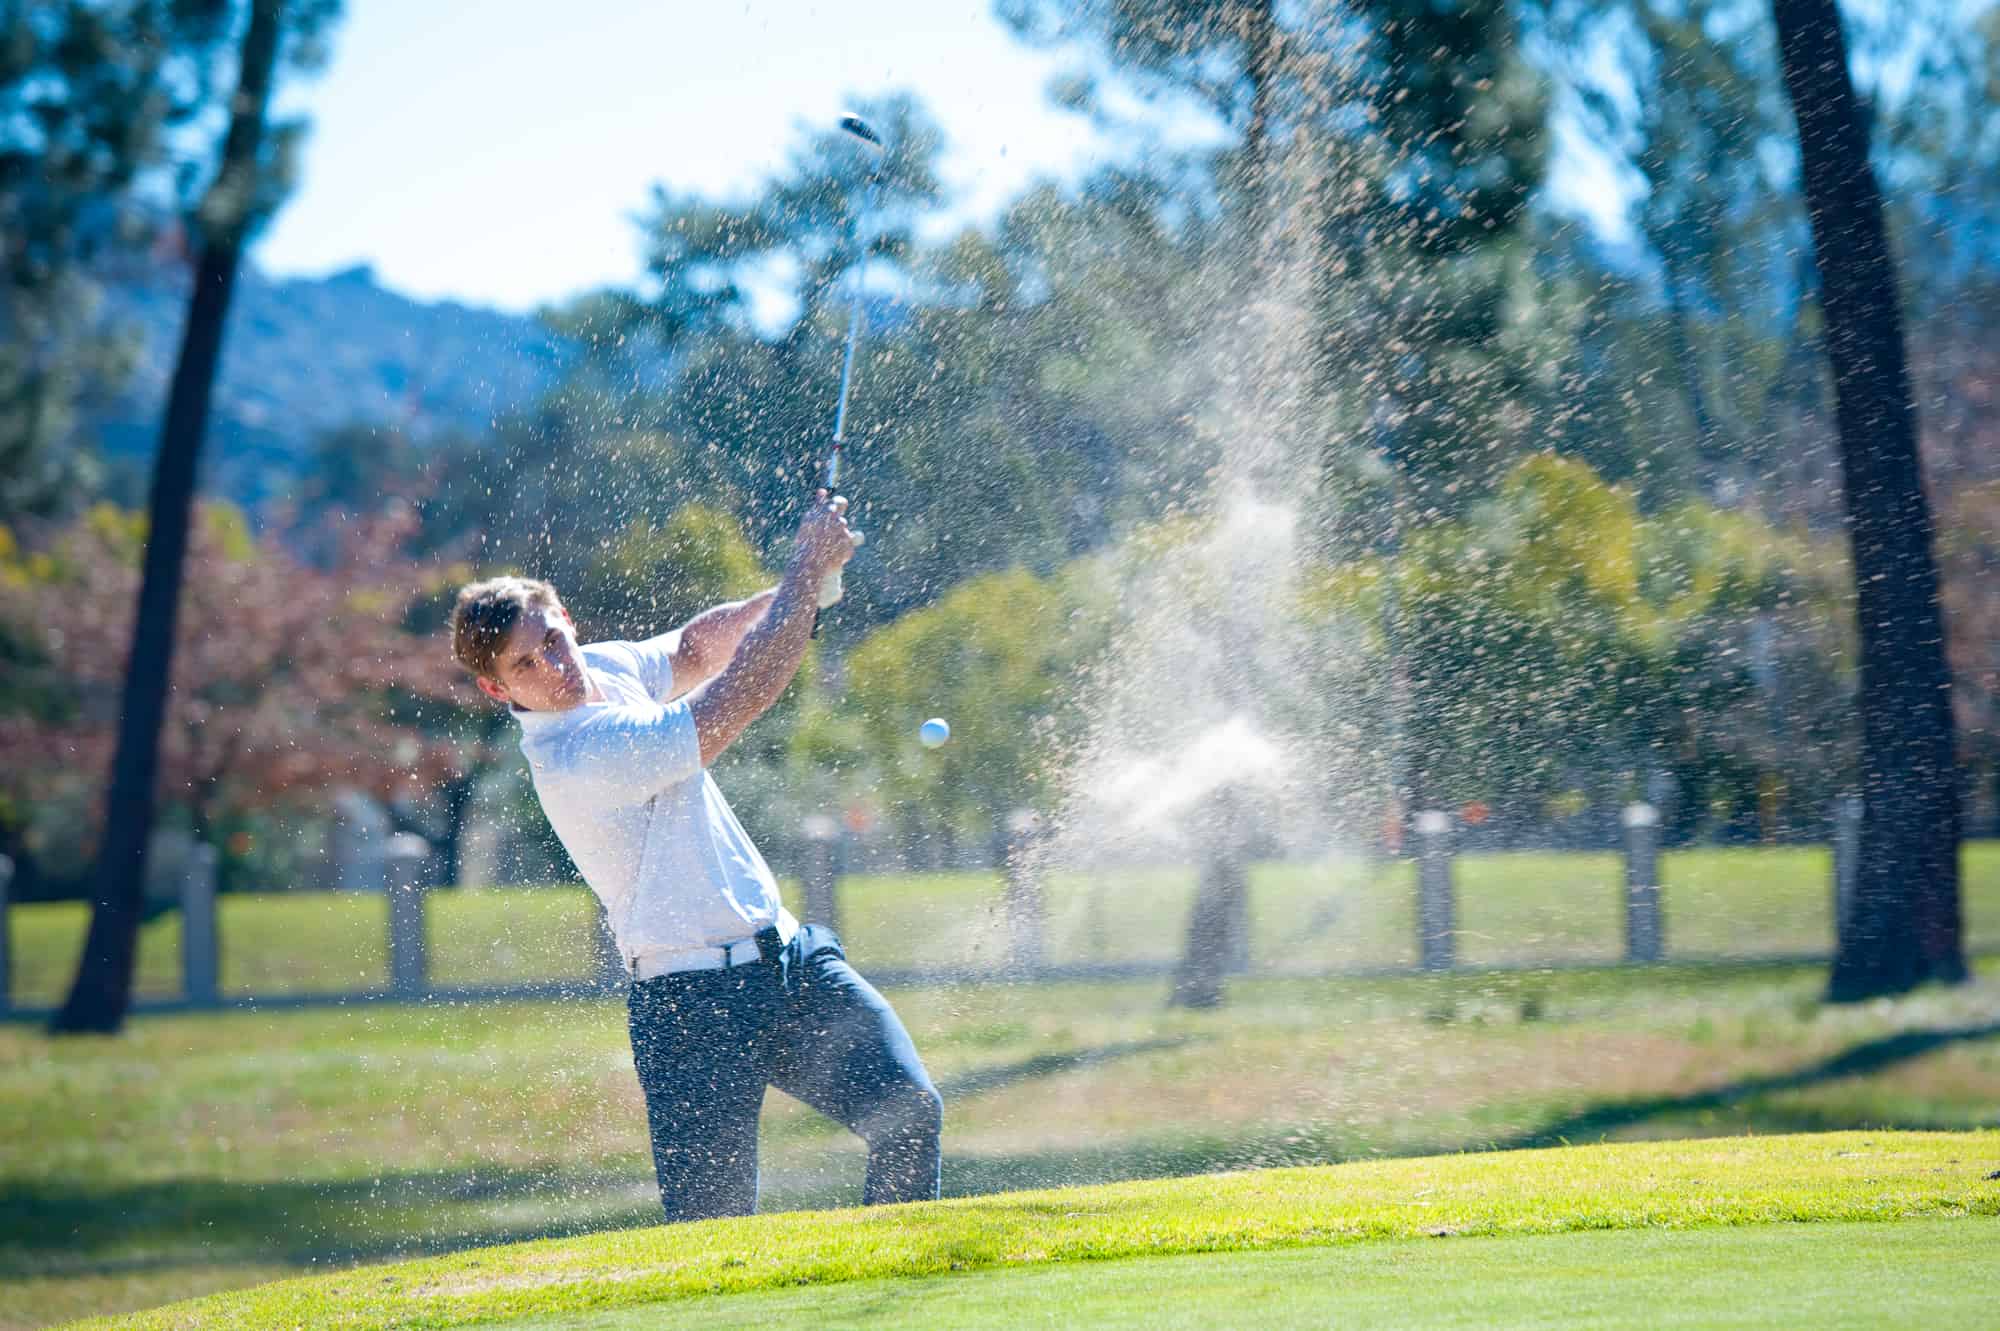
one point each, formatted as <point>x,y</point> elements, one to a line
<point>498,152</point>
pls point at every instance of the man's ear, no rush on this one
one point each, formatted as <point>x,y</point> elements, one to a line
<point>492,689</point>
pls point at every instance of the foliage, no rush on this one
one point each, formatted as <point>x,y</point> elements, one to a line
<point>107,120</point>
<point>996,658</point>
<point>651,577</point>
<point>90,97</point>
<point>281,679</point>
<point>1555,636</point>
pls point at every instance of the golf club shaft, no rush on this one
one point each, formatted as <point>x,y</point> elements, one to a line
<point>846,378</point>
<point>831,589</point>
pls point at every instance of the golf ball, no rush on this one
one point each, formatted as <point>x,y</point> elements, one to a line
<point>934,732</point>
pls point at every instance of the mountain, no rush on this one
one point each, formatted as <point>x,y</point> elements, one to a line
<point>303,356</point>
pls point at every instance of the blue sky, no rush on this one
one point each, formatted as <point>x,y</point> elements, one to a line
<point>498,151</point>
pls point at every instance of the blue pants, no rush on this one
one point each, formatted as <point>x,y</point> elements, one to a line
<point>707,1043</point>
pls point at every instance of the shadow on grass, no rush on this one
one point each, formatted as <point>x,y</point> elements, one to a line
<point>980,1080</point>
<point>1871,1056</point>
<point>58,1226</point>
<point>1317,1146</point>
<point>73,1226</point>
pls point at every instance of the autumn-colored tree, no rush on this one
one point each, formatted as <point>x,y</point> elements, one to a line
<point>282,678</point>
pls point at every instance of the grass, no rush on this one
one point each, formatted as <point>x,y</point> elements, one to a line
<point>197,1152</point>
<point>1514,909</point>
<point>1676,1186</point>
<point>1827,1276</point>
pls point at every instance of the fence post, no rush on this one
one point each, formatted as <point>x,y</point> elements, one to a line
<point>1026,914</point>
<point>1846,860</point>
<point>403,876</point>
<point>1644,936</point>
<point>611,971</point>
<point>821,879</point>
<point>6,936</point>
<point>200,938</point>
<point>1436,910</point>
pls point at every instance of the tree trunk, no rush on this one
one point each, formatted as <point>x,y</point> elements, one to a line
<point>1905,927</point>
<point>457,808</point>
<point>102,991</point>
<point>1216,924</point>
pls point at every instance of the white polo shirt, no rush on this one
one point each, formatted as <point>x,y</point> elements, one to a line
<point>622,784</point>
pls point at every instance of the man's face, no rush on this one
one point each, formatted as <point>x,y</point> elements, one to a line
<point>540,668</point>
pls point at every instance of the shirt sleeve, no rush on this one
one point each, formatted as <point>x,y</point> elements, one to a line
<point>627,755</point>
<point>655,657</point>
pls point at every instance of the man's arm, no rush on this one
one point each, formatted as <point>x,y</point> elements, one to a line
<point>710,639</point>
<point>770,652</point>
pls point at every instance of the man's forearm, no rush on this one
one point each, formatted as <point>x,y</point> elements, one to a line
<point>762,665</point>
<point>711,638</point>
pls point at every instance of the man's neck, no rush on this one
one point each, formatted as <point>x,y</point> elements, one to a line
<point>591,695</point>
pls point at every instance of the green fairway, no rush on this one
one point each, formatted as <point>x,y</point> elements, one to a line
<point>1515,909</point>
<point>1917,1273</point>
<point>1649,1186</point>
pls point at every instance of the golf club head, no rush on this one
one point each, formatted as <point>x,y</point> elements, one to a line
<point>860,129</point>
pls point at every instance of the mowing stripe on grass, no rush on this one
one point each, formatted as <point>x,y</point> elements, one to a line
<point>1828,1277</point>
<point>1671,1185</point>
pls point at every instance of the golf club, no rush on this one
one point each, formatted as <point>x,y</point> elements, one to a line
<point>858,129</point>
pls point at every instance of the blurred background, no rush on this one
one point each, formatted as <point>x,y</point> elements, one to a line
<point>1385,494</point>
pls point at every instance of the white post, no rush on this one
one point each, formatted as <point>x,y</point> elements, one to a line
<point>403,861</point>
<point>201,950</point>
<point>1026,912</point>
<point>1644,936</point>
<point>821,879</point>
<point>1846,860</point>
<point>6,937</point>
<point>1436,910</point>
<point>612,974</point>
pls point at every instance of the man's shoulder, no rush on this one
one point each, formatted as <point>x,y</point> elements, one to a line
<point>648,663</point>
<point>612,654</point>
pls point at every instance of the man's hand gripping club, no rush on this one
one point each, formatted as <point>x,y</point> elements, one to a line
<point>770,654</point>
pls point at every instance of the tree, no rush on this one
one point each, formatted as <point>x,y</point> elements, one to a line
<point>93,95</point>
<point>1227,57</point>
<point>1905,925</point>
<point>992,657</point>
<point>1433,342</point>
<point>1564,640</point>
<point>246,187</point>
<point>285,680</point>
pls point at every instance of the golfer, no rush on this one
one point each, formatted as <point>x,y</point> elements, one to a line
<point>729,993</point>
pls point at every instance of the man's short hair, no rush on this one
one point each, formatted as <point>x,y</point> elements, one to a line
<point>486,614</point>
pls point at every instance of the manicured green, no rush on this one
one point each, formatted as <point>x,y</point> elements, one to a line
<point>1656,1185</point>
<point>1826,1276</point>
<point>1514,909</point>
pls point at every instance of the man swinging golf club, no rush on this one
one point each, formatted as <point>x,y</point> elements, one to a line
<point>729,993</point>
